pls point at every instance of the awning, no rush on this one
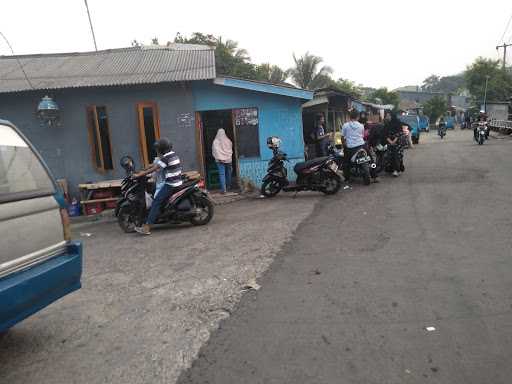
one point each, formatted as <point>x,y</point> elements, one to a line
<point>316,101</point>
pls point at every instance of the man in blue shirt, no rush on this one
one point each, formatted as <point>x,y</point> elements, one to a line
<point>353,134</point>
<point>168,168</point>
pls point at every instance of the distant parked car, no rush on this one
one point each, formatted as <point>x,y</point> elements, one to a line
<point>414,122</point>
<point>38,261</point>
<point>424,123</point>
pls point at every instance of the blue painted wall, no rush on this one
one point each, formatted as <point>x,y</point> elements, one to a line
<point>66,147</point>
<point>278,116</point>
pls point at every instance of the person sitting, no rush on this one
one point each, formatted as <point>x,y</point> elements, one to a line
<point>352,132</point>
<point>482,118</point>
<point>168,168</point>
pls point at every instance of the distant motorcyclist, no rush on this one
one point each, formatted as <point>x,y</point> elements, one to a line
<point>441,126</point>
<point>482,118</point>
<point>167,165</point>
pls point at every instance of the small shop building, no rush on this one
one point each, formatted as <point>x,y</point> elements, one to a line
<point>84,111</point>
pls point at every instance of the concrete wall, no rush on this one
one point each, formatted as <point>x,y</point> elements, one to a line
<point>278,116</point>
<point>66,147</point>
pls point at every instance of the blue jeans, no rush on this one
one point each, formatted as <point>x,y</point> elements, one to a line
<point>224,175</point>
<point>163,194</point>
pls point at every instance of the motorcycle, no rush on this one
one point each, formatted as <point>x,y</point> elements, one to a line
<point>361,164</point>
<point>188,204</point>
<point>441,130</point>
<point>382,157</point>
<point>318,174</point>
<point>481,132</point>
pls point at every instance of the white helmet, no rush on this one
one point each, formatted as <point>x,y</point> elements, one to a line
<point>273,142</point>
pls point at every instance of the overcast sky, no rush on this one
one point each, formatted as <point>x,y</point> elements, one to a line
<point>375,43</point>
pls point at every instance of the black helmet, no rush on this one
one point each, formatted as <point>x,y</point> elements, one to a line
<point>162,146</point>
<point>127,163</point>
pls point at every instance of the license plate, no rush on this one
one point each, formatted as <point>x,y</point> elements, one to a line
<point>333,167</point>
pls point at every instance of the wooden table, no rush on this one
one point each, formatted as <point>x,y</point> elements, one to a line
<point>88,189</point>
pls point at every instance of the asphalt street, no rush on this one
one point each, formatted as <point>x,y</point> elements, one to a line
<point>406,281</point>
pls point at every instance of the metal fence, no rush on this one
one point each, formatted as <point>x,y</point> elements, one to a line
<point>501,125</point>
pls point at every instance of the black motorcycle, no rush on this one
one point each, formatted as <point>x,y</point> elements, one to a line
<point>482,132</point>
<point>381,157</point>
<point>187,204</point>
<point>441,130</point>
<point>361,163</point>
<point>318,174</point>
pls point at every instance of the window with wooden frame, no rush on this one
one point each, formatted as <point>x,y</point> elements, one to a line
<point>149,130</point>
<point>99,137</point>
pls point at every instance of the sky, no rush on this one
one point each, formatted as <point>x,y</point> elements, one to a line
<point>374,43</point>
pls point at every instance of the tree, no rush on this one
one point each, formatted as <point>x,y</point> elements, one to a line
<point>435,107</point>
<point>307,74</point>
<point>347,86</point>
<point>271,73</point>
<point>382,95</point>
<point>499,86</point>
<point>230,60</point>
<point>430,83</point>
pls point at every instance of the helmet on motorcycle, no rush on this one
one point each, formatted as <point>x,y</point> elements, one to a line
<point>273,142</point>
<point>162,146</point>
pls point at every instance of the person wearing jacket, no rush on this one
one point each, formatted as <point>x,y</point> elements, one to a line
<point>222,151</point>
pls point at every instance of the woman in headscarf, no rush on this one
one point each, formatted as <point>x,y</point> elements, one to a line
<point>222,150</point>
<point>392,132</point>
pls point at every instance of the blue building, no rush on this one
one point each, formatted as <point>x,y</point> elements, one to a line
<point>250,112</point>
<point>117,102</point>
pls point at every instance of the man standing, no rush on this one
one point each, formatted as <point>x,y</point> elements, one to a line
<point>168,166</point>
<point>352,132</point>
<point>321,137</point>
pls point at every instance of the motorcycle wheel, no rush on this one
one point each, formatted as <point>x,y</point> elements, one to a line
<point>205,213</point>
<point>270,188</point>
<point>332,184</point>
<point>124,219</point>
<point>365,172</point>
<point>480,140</point>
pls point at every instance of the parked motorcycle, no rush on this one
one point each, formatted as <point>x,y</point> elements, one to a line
<point>382,157</point>
<point>188,204</point>
<point>318,174</point>
<point>481,132</point>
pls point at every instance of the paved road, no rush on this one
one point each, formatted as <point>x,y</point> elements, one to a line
<point>148,304</point>
<point>349,298</point>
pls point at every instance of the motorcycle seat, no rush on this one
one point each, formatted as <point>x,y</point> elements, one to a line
<point>299,167</point>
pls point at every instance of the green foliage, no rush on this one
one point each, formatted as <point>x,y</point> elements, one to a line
<point>499,86</point>
<point>384,96</point>
<point>447,84</point>
<point>435,107</point>
<point>271,73</point>
<point>230,60</point>
<point>347,86</point>
<point>307,73</point>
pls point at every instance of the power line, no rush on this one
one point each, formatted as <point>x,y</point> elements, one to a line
<point>18,60</point>
<point>90,23</point>
<point>506,29</point>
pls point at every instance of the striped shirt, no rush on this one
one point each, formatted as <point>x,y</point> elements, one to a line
<point>171,168</point>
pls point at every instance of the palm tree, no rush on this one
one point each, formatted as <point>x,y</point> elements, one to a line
<point>271,73</point>
<point>306,73</point>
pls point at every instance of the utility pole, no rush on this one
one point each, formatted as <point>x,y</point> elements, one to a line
<point>485,93</point>
<point>90,23</point>
<point>504,46</point>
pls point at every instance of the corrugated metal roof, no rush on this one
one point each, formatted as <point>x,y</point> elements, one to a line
<point>124,66</point>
